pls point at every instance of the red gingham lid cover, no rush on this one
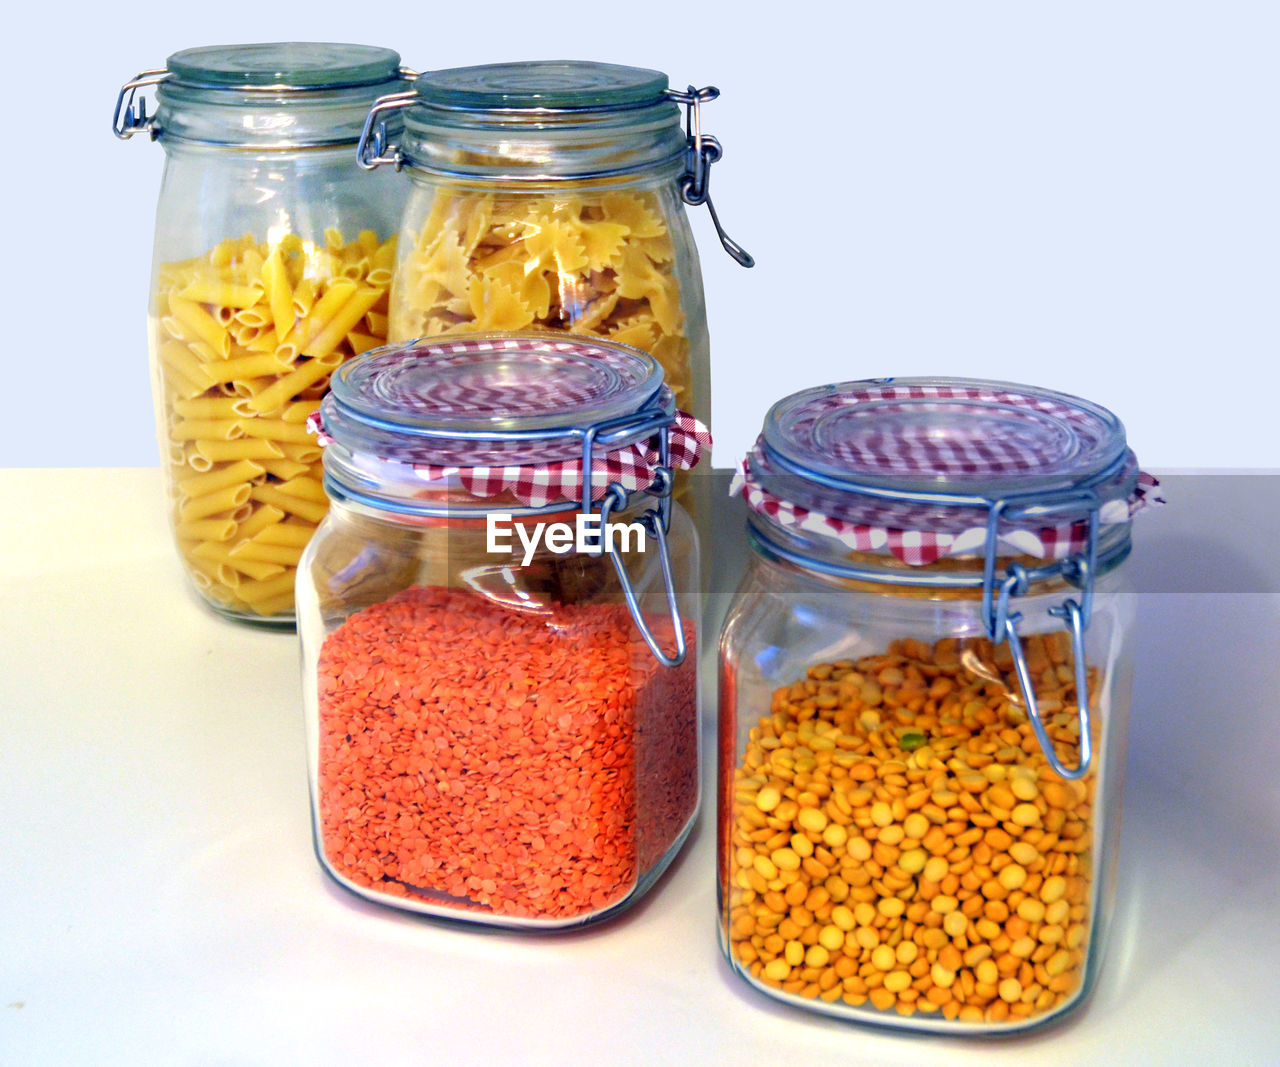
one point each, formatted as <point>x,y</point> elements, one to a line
<point>910,466</point>
<point>495,413</point>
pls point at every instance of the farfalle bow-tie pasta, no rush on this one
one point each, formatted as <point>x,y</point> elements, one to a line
<point>600,264</point>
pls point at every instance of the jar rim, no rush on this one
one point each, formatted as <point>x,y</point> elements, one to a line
<point>283,67</point>
<point>541,85</point>
<point>490,388</point>
<point>942,437</point>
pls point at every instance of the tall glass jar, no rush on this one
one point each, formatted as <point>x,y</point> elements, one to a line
<point>272,265</point>
<point>923,698</point>
<point>551,196</point>
<point>502,726</point>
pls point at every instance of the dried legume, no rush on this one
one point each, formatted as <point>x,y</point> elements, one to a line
<point>957,880</point>
<point>532,765</point>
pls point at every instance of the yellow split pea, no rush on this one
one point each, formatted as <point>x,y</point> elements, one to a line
<point>898,838</point>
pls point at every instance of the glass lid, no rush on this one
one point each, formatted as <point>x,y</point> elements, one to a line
<point>944,435</point>
<point>285,65</point>
<point>550,84</point>
<point>483,383</point>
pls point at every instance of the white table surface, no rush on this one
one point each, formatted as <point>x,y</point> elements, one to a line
<point>160,901</point>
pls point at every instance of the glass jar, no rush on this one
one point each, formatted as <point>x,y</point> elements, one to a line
<point>272,264</point>
<point>549,196</point>
<point>502,727</point>
<point>923,697</point>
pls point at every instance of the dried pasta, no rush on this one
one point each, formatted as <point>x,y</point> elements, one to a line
<point>245,340</point>
<point>601,263</point>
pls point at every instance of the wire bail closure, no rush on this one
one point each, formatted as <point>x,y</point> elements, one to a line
<point>1001,623</point>
<point>655,521</point>
<point>704,150</point>
<point>373,149</point>
<point>134,107</point>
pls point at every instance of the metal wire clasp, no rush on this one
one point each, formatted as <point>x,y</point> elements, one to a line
<point>1002,624</point>
<point>703,150</point>
<point>656,521</point>
<point>131,109</point>
<point>655,524</point>
<point>373,150</point>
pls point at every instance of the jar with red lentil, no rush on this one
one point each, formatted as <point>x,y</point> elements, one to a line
<point>923,698</point>
<point>499,654</point>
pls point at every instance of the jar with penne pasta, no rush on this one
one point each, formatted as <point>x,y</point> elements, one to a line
<point>551,196</point>
<point>924,689</point>
<point>272,265</point>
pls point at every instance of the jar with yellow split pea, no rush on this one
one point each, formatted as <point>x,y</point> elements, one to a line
<point>924,686</point>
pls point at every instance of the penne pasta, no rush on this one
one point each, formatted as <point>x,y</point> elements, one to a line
<point>275,278</point>
<point>284,469</point>
<point>305,374</point>
<point>266,341</point>
<point>206,530</point>
<point>214,290</point>
<point>226,499</point>
<point>254,316</point>
<point>362,342</point>
<point>220,451</point>
<point>257,552</point>
<point>262,519</point>
<point>245,340</point>
<point>243,368</point>
<point>300,410</point>
<point>309,454</point>
<point>304,296</point>
<point>178,357</point>
<point>281,602</point>
<point>209,407</point>
<point>343,321</point>
<point>200,325</point>
<point>304,489</point>
<point>285,533</point>
<point>260,591</point>
<point>306,509</point>
<point>338,293</point>
<point>276,430</point>
<point>222,555</point>
<point>206,429</point>
<point>197,485</point>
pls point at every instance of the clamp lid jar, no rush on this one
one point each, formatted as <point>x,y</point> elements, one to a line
<point>923,697</point>
<point>502,711</point>
<point>272,265</point>
<point>550,195</point>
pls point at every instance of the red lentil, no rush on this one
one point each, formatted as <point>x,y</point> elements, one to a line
<point>532,764</point>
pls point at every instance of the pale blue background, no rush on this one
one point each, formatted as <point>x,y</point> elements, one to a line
<point>1078,195</point>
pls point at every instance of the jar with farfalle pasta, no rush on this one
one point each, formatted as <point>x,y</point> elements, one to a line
<point>273,263</point>
<point>499,627</point>
<point>551,195</point>
<point>923,699</point>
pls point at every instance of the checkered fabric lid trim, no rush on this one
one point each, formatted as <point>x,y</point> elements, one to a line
<point>910,531</point>
<point>536,485</point>
<point>632,466</point>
